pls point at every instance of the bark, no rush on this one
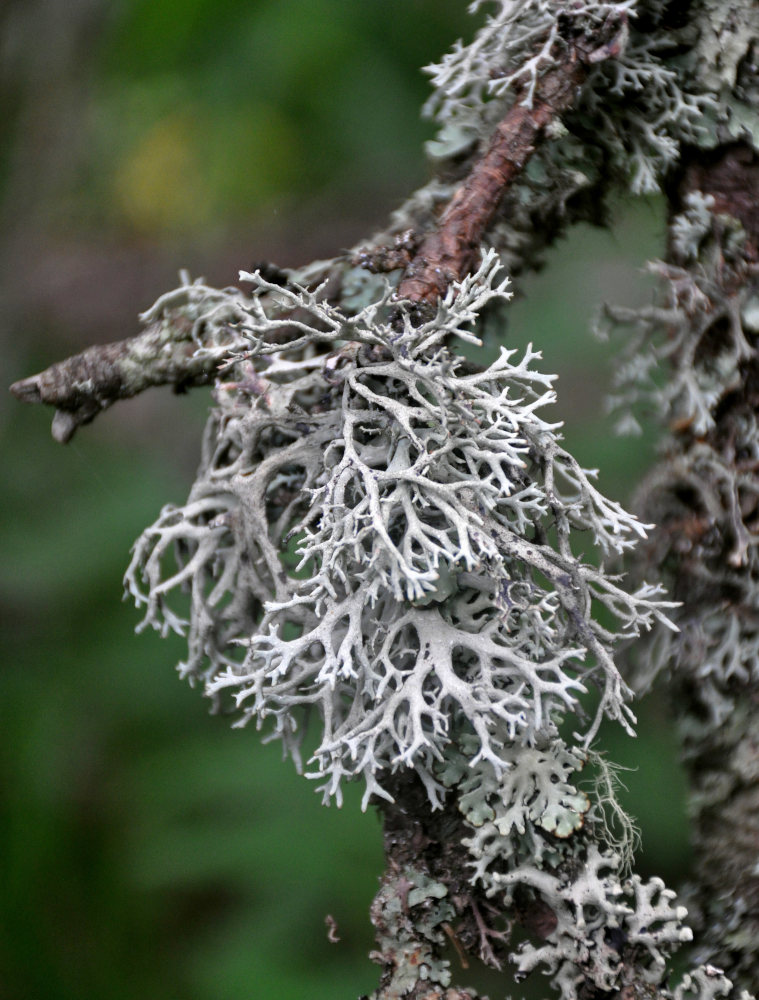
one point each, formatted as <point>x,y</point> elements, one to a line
<point>451,250</point>
<point>705,498</point>
<point>84,385</point>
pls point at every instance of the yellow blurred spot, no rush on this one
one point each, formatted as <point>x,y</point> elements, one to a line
<point>160,184</point>
<point>193,168</point>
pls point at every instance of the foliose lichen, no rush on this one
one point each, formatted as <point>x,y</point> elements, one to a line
<point>431,509</point>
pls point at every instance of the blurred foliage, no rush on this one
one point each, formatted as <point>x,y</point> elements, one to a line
<point>208,110</point>
<point>145,847</point>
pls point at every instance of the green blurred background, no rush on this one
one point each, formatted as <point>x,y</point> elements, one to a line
<point>145,847</point>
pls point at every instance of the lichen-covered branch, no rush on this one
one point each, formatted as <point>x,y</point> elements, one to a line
<point>567,78</point>
<point>451,249</point>
<point>165,353</point>
<point>694,357</point>
<point>705,499</point>
<point>705,494</point>
<point>391,547</point>
<point>540,875</point>
<point>84,385</point>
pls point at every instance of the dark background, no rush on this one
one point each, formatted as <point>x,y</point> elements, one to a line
<point>146,849</point>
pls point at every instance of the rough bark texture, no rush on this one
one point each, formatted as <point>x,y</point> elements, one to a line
<point>86,384</point>
<point>451,250</point>
<point>705,499</point>
<point>417,840</point>
<point>425,903</point>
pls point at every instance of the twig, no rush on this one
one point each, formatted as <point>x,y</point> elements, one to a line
<point>88,383</point>
<point>450,251</point>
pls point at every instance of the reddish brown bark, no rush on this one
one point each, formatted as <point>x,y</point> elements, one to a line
<point>730,174</point>
<point>449,252</point>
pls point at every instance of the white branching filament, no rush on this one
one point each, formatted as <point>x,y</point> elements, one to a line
<point>381,538</point>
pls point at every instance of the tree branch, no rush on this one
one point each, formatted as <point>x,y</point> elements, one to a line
<point>452,249</point>
<point>84,385</point>
<point>704,497</point>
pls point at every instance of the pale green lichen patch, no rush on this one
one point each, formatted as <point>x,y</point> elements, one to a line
<point>409,913</point>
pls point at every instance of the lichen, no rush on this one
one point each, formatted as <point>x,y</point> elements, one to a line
<point>598,921</point>
<point>684,360</point>
<point>419,494</point>
<point>381,545</point>
<point>705,983</point>
<point>635,104</point>
<point>410,913</point>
